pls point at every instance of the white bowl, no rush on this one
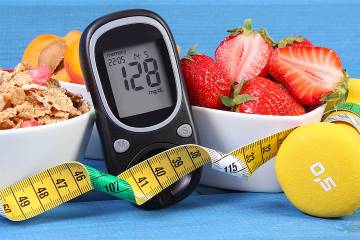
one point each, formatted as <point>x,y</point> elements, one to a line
<point>225,131</point>
<point>27,151</point>
<point>94,149</point>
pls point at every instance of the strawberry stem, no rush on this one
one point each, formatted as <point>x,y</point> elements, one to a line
<point>248,25</point>
<point>246,29</point>
<point>236,98</point>
<point>228,101</point>
<point>238,87</point>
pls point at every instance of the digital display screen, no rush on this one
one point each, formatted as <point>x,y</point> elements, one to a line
<point>138,79</point>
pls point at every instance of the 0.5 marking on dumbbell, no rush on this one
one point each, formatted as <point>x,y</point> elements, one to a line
<point>318,169</point>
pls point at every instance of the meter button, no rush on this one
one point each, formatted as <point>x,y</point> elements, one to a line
<point>184,130</point>
<point>121,145</point>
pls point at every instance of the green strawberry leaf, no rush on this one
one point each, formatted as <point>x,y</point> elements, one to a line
<point>264,34</point>
<point>236,98</point>
<point>235,31</point>
<point>340,92</point>
<point>246,29</point>
<point>227,101</point>
<point>289,41</point>
<point>188,58</point>
<point>330,97</point>
<point>192,52</point>
<point>239,99</point>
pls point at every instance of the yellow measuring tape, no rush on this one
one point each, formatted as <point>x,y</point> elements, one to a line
<point>344,112</point>
<point>52,187</point>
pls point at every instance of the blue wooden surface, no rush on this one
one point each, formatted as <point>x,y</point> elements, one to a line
<point>226,216</point>
<point>334,24</point>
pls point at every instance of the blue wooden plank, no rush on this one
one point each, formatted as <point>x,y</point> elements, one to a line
<point>224,216</point>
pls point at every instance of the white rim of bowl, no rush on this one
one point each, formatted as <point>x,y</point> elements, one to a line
<point>259,116</point>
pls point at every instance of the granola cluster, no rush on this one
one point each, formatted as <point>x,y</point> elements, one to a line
<point>24,100</point>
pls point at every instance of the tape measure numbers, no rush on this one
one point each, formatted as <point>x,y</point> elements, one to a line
<point>43,191</point>
<point>138,184</point>
<point>245,160</point>
<point>52,187</point>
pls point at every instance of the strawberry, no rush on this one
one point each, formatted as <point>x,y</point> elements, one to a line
<point>245,53</point>
<point>262,96</point>
<point>205,81</point>
<point>30,123</point>
<point>294,41</point>
<point>312,75</point>
<point>40,75</point>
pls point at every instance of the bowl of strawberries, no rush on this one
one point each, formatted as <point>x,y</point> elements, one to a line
<point>255,87</point>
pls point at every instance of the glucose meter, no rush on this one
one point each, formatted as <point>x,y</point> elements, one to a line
<point>131,68</point>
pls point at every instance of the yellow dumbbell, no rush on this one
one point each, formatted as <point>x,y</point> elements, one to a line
<point>318,167</point>
<point>354,91</point>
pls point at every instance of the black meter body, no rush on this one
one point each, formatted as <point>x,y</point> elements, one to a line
<point>131,68</point>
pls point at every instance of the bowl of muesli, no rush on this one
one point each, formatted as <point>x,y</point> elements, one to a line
<point>41,123</point>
